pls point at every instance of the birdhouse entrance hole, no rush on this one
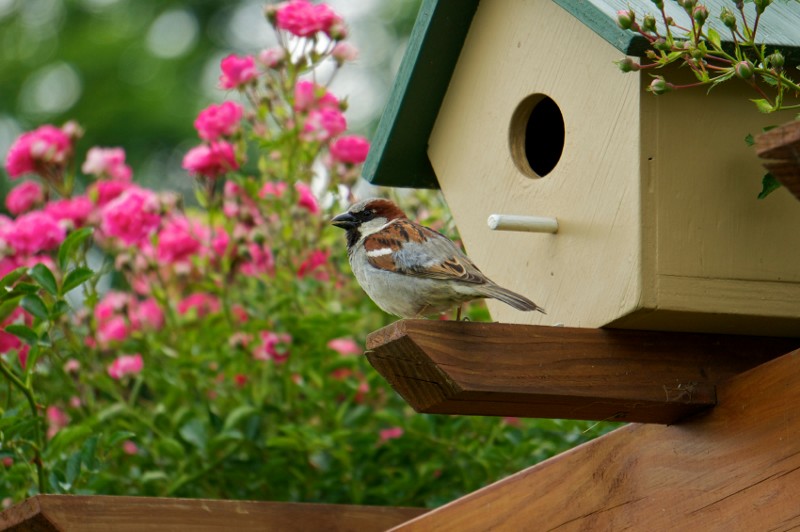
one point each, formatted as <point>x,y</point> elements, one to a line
<point>536,135</point>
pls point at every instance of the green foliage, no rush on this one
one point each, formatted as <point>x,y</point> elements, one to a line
<point>241,396</point>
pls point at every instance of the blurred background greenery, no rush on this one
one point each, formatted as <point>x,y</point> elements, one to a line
<point>135,73</point>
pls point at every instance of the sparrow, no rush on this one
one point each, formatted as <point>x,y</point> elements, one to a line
<point>410,270</point>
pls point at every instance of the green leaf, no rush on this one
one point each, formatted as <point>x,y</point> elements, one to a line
<point>13,276</point>
<point>750,140</point>
<point>59,307</point>
<point>768,184</point>
<point>42,275</point>
<point>170,447</point>
<point>67,249</point>
<point>66,437</point>
<point>763,105</point>
<point>194,432</point>
<point>35,306</point>
<point>89,453</point>
<point>154,476</point>
<point>713,38</point>
<point>24,333</point>
<point>118,436</point>
<point>237,415</point>
<point>75,278</point>
<point>73,467</point>
<point>9,306</point>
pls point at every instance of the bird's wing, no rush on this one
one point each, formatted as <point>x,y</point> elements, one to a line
<point>408,248</point>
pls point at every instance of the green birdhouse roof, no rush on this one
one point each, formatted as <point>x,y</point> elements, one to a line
<point>398,156</point>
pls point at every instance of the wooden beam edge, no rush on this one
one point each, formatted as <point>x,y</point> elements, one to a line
<point>517,370</point>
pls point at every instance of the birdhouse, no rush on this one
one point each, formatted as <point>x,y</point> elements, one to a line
<point>514,108</point>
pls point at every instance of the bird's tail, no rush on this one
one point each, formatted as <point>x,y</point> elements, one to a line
<point>510,298</point>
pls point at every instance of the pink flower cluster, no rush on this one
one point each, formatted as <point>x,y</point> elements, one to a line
<point>44,150</point>
<point>216,121</point>
<point>126,365</point>
<point>273,346</point>
<point>237,72</point>
<point>120,314</point>
<point>132,216</point>
<point>24,197</point>
<point>324,121</point>
<point>32,233</point>
<point>107,163</point>
<point>304,19</point>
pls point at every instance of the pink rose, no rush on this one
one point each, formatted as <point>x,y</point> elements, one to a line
<point>113,303</point>
<point>126,365</point>
<point>129,448</point>
<point>210,160</point>
<point>35,150</point>
<point>34,232</point>
<point>237,71</point>
<point>323,124</point>
<point>57,419</point>
<point>179,240</point>
<point>115,329</point>
<point>132,217</point>
<point>273,188</point>
<point>391,434</point>
<point>344,52</point>
<point>351,149</point>
<point>104,191</point>
<point>345,346</point>
<point>201,303</point>
<point>217,121</point>
<point>308,95</point>
<point>24,197</point>
<point>148,315</point>
<point>74,210</point>
<point>107,163</point>
<point>306,198</point>
<point>273,346</point>
<point>313,262</point>
<point>261,261</point>
<point>304,19</point>
<point>272,57</point>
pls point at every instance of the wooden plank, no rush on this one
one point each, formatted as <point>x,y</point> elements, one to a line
<point>735,468</point>
<point>448,367</point>
<point>132,514</point>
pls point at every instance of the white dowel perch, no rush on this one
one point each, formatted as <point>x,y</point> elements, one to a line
<point>532,224</point>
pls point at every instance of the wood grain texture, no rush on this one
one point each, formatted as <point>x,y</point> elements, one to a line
<point>735,468</point>
<point>782,144</point>
<point>65,513</point>
<point>497,369</point>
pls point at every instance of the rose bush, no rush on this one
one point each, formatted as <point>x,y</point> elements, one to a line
<point>150,347</point>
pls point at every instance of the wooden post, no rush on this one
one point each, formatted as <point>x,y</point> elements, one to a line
<point>735,468</point>
<point>448,367</point>
<point>134,514</point>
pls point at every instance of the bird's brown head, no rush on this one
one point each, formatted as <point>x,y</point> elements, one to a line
<point>366,217</point>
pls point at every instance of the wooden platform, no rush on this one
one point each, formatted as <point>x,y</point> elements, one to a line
<point>50,513</point>
<point>448,367</point>
<point>734,468</point>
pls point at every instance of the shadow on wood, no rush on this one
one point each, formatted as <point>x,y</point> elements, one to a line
<point>735,468</point>
<point>123,514</point>
<point>448,367</point>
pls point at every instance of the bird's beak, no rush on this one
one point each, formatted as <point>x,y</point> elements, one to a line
<point>345,221</point>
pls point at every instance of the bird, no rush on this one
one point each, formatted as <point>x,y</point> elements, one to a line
<point>410,270</point>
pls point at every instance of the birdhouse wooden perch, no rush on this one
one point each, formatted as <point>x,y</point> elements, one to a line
<point>515,109</point>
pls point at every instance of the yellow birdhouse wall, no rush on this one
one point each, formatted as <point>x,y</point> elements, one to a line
<point>659,225</point>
